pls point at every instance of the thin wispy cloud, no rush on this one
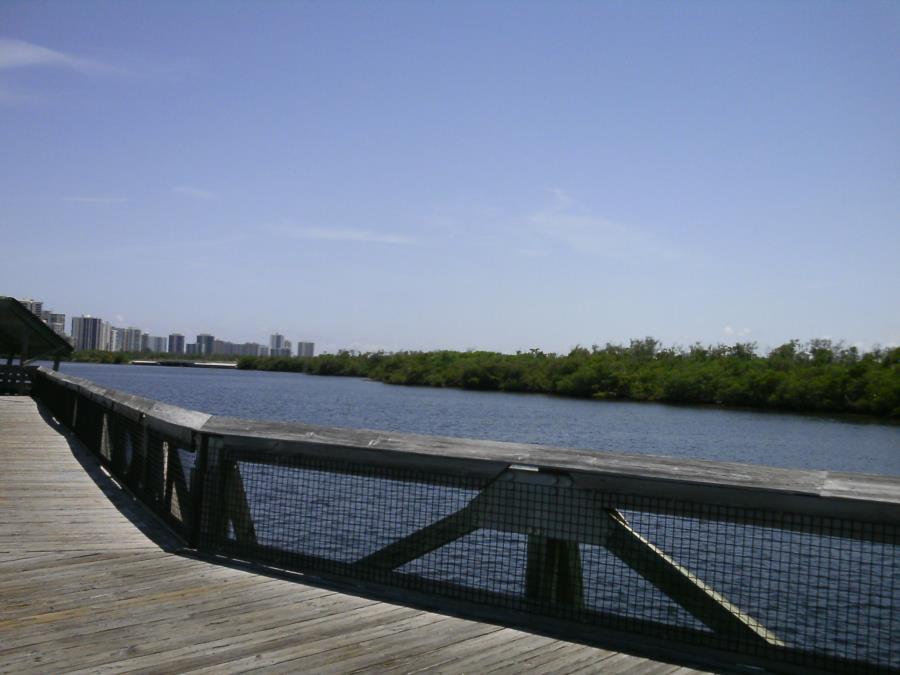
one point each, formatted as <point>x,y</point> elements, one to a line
<point>20,54</point>
<point>561,197</point>
<point>595,235</point>
<point>348,234</point>
<point>196,193</point>
<point>96,200</point>
<point>730,331</point>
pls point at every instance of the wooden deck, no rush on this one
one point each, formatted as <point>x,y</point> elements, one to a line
<point>90,583</point>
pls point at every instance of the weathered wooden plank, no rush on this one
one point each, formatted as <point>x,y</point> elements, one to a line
<point>501,643</point>
<point>153,640</point>
<point>568,659</point>
<point>69,593</point>
<point>230,603</point>
<point>409,640</point>
<point>327,638</point>
<point>504,647</point>
<point>251,643</point>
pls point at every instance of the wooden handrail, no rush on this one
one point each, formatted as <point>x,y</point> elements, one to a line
<point>869,498</point>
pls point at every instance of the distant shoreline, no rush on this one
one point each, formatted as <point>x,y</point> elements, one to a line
<point>818,377</point>
<point>178,363</point>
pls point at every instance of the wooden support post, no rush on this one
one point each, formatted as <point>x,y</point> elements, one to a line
<point>225,500</point>
<point>212,515</point>
<point>177,489</point>
<point>145,450</point>
<point>553,576</point>
<point>198,483</point>
<point>24,355</point>
<point>237,506</point>
<point>541,507</point>
<point>104,445</point>
<point>56,362</point>
<point>514,502</point>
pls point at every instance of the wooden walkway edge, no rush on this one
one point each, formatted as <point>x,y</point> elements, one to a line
<point>89,582</point>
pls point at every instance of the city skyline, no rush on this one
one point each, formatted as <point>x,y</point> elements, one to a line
<point>279,345</point>
<point>94,332</point>
<point>499,176</point>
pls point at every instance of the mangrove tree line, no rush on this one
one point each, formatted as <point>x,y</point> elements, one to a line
<point>819,376</point>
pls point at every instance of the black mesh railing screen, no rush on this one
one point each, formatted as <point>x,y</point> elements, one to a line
<point>743,581</point>
<point>157,468</point>
<point>767,586</point>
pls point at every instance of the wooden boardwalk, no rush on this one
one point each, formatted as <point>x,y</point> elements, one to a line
<point>90,583</point>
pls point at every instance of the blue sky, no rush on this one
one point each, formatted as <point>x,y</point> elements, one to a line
<point>500,175</point>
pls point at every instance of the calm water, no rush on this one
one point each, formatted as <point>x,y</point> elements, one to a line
<point>843,593</point>
<point>793,441</point>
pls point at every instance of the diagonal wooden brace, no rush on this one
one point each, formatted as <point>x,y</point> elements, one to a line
<point>553,575</point>
<point>557,517</point>
<point>680,584</point>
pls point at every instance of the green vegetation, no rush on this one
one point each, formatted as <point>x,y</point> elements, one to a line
<point>819,376</point>
<point>816,377</point>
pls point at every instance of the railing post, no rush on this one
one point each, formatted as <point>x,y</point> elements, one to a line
<point>145,450</point>
<point>553,574</point>
<point>224,499</point>
<point>212,528</point>
<point>198,481</point>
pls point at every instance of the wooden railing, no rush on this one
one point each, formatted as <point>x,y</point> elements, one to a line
<point>794,571</point>
<point>16,379</point>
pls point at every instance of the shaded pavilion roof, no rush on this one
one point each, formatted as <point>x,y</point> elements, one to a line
<point>19,327</point>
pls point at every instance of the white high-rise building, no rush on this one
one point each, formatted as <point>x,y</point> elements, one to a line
<point>131,339</point>
<point>57,322</point>
<point>278,346</point>
<point>156,344</point>
<point>90,332</point>
<point>205,343</point>
<point>306,348</point>
<point>33,306</point>
<point>116,336</point>
<point>176,343</point>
